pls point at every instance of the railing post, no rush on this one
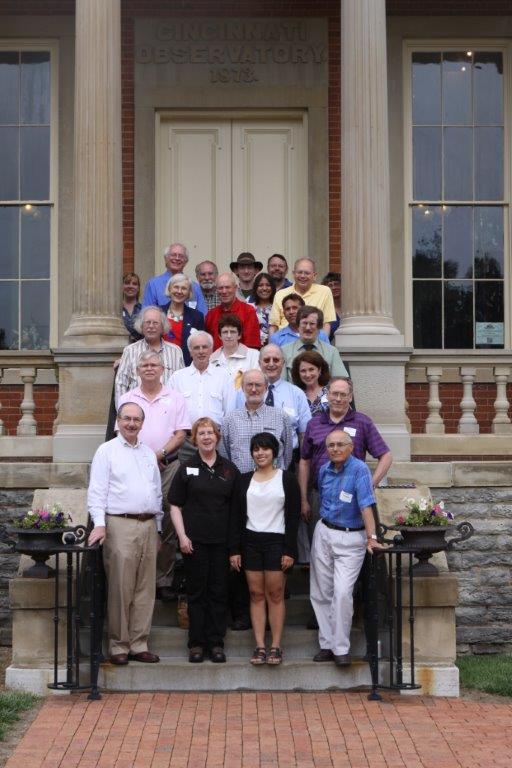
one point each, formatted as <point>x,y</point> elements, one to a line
<point>27,424</point>
<point>2,426</point>
<point>434,423</point>
<point>468,424</point>
<point>501,424</point>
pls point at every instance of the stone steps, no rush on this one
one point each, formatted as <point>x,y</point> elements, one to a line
<point>173,674</point>
<point>298,612</point>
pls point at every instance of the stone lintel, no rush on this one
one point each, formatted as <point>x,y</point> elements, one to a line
<point>457,445</point>
<point>432,591</point>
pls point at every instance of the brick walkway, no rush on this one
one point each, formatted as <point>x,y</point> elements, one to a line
<point>309,730</point>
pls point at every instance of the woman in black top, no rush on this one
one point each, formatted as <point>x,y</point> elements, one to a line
<point>200,498</point>
<point>263,535</point>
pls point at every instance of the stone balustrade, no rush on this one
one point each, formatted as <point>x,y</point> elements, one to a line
<point>26,419</point>
<point>461,403</point>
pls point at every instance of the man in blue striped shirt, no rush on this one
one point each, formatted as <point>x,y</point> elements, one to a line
<point>345,531</point>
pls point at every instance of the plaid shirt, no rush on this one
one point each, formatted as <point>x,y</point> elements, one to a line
<point>126,378</point>
<point>241,425</point>
<point>212,299</point>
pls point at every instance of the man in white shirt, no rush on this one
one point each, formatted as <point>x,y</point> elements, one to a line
<point>166,422</point>
<point>207,389</point>
<point>125,504</point>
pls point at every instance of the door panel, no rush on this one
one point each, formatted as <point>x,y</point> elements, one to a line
<point>226,186</point>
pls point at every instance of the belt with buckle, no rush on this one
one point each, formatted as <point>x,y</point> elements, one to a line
<point>341,527</point>
<point>142,517</point>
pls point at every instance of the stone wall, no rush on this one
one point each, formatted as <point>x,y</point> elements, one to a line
<point>483,567</point>
<point>13,505</point>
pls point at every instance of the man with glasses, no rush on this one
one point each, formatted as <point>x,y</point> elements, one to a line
<point>277,267</point>
<point>345,531</point>
<point>166,422</point>
<point>339,415</point>
<point>304,276</point>
<point>176,259</point>
<point>310,321</point>
<point>125,504</point>
<point>152,323</point>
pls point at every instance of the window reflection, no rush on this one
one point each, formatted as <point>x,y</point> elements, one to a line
<point>488,83</point>
<point>427,163</point>
<point>427,241</point>
<point>9,86</point>
<point>35,241</point>
<point>458,315</point>
<point>489,163</point>
<point>489,241</point>
<point>458,164</point>
<point>35,163</point>
<point>457,88</point>
<point>427,314</point>
<point>9,242</point>
<point>35,87</point>
<point>8,315</point>
<point>426,88</point>
<point>9,183</point>
<point>35,305</point>
<point>458,242</point>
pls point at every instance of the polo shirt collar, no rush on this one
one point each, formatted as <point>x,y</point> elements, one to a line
<point>126,443</point>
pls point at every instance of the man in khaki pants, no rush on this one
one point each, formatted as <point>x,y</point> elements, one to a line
<point>125,504</point>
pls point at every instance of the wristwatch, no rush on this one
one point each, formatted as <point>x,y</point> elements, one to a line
<point>373,536</point>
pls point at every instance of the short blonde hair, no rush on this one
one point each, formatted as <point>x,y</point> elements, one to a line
<point>204,421</point>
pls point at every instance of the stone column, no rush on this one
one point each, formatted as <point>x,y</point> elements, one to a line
<point>96,334</point>
<point>368,338</point>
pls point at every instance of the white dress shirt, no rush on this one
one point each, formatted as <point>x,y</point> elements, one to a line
<point>210,393</point>
<point>244,359</point>
<point>125,479</point>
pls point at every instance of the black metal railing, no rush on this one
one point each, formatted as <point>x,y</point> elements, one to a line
<point>82,565</point>
<point>394,654</point>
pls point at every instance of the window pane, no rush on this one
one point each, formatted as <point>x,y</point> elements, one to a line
<point>35,163</point>
<point>489,314</point>
<point>457,88</point>
<point>488,241</point>
<point>458,242</point>
<point>35,315</point>
<point>9,87</point>
<point>8,315</point>
<point>35,87</point>
<point>9,185</point>
<point>9,241</point>
<point>458,163</point>
<point>489,163</point>
<point>458,315</point>
<point>427,312</point>
<point>426,88</point>
<point>35,241</point>
<point>427,163</point>
<point>426,241</point>
<point>488,79</point>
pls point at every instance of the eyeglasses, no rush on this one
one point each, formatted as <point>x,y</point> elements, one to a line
<point>134,419</point>
<point>337,445</point>
<point>271,359</point>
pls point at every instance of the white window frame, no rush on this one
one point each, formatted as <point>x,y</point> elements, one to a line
<point>52,47</point>
<point>437,45</point>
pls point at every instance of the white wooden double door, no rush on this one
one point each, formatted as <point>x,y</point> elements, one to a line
<point>227,184</point>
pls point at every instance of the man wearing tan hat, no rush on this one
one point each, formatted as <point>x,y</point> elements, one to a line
<point>245,268</point>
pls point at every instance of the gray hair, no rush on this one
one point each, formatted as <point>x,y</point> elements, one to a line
<point>179,277</point>
<point>275,347</point>
<point>230,275</point>
<point>305,258</point>
<point>171,246</point>
<point>193,336</point>
<point>140,318</point>
<point>206,261</point>
<point>347,379</point>
<point>147,355</point>
<point>253,370</point>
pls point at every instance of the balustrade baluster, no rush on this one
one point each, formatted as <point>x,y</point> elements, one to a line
<point>434,424</point>
<point>468,424</point>
<point>27,424</point>
<point>501,424</point>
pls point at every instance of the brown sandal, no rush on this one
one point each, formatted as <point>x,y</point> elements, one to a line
<point>275,656</point>
<point>259,656</point>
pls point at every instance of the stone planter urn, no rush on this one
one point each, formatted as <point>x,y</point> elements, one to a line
<point>425,540</point>
<point>40,545</point>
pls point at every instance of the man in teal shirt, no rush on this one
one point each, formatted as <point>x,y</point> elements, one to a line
<point>310,321</point>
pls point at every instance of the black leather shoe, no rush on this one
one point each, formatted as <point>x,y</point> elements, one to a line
<point>196,655</point>
<point>165,594</point>
<point>240,625</point>
<point>217,655</point>
<point>119,659</point>
<point>324,654</point>
<point>343,660</point>
<point>146,657</point>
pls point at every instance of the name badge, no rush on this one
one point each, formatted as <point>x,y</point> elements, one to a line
<point>192,304</point>
<point>166,401</point>
<point>350,431</point>
<point>195,471</point>
<point>344,496</point>
<point>289,411</point>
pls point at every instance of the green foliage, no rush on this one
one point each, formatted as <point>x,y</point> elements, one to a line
<point>45,519</point>
<point>11,704</point>
<point>423,512</point>
<point>490,673</point>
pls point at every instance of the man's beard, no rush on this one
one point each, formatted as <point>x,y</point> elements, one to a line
<point>208,285</point>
